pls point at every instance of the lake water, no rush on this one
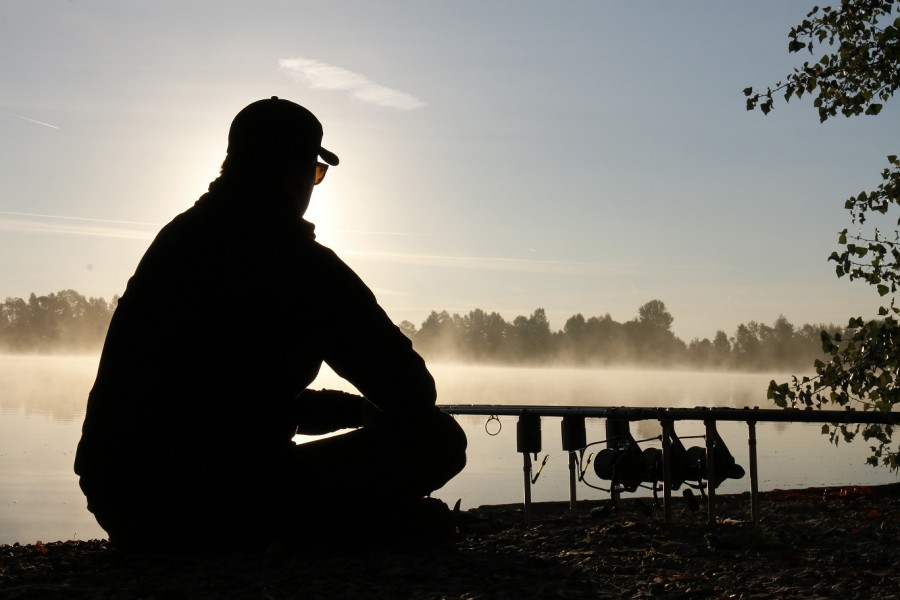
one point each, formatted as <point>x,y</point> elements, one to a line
<point>42,403</point>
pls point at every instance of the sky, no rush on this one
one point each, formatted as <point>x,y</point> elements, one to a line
<point>580,156</point>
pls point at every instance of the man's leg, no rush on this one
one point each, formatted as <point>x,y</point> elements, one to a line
<point>346,481</point>
<point>392,460</point>
<point>348,485</point>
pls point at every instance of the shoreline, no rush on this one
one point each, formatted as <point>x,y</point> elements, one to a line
<point>823,542</point>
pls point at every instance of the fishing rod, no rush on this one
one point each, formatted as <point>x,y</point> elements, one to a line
<point>700,413</point>
<point>627,467</point>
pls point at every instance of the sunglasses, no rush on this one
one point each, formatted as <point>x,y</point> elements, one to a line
<point>321,169</point>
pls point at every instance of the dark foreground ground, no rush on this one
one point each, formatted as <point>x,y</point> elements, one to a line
<point>834,543</point>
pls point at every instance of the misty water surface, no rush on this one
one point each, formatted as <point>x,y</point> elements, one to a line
<point>42,402</point>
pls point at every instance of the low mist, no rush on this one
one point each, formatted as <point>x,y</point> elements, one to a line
<point>67,322</point>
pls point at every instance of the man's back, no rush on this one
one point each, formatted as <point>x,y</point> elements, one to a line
<point>188,368</point>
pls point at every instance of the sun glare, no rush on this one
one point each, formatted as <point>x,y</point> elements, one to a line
<point>203,168</point>
<point>328,208</point>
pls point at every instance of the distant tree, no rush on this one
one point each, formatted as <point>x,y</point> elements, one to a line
<point>61,321</point>
<point>572,342</point>
<point>808,340</point>
<point>485,334</point>
<point>654,313</point>
<point>15,322</point>
<point>530,337</point>
<point>767,346</point>
<point>721,349</point>
<point>539,332</point>
<point>745,347</point>
<point>42,322</point>
<point>437,336</point>
<point>858,70</point>
<point>575,327</point>
<point>605,341</point>
<point>96,318</point>
<point>409,329</point>
<point>651,336</point>
<point>701,353</point>
<point>782,342</point>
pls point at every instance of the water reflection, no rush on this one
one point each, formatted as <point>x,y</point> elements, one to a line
<point>46,385</point>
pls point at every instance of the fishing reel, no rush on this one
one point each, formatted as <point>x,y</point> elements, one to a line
<point>627,466</point>
<point>624,463</point>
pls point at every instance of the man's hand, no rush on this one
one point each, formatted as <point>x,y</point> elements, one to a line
<point>317,412</point>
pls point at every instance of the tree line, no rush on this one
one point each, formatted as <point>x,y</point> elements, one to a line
<point>646,340</point>
<point>67,321</point>
<point>64,321</point>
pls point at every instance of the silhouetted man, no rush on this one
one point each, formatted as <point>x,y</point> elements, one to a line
<point>202,381</point>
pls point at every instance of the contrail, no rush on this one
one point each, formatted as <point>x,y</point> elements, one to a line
<point>9,114</point>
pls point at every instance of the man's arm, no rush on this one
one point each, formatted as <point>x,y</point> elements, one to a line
<point>366,348</point>
<point>317,412</point>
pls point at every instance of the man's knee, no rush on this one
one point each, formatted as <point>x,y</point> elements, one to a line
<point>454,439</point>
<point>441,443</point>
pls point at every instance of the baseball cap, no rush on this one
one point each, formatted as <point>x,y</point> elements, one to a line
<point>274,127</point>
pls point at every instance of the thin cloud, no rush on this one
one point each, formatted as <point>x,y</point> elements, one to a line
<point>57,224</point>
<point>322,76</point>
<point>9,114</point>
<point>487,263</point>
<point>515,265</point>
<point>366,232</point>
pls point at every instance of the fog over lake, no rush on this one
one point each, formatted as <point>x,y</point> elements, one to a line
<point>42,401</point>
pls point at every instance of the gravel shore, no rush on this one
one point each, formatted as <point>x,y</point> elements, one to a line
<point>813,543</point>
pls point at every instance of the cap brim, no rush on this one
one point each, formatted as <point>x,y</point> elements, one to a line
<point>329,157</point>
